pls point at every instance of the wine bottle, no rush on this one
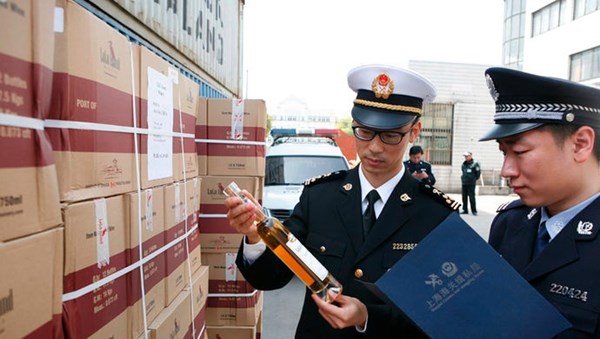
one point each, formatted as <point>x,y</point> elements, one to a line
<point>290,250</point>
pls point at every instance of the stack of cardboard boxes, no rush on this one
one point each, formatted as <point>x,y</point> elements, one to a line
<point>99,185</point>
<point>235,152</point>
<point>31,238</point>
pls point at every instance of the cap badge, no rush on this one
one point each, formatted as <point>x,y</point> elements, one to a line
<point>490,84</point>
<point>570,117</point>
<point>347,186</point>
<point>585,228</point>
<point>382,86</point>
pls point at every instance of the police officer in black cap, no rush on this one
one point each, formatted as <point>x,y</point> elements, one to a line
<point>548,130</point>
<point>357,223</point>
<point>418,167</point>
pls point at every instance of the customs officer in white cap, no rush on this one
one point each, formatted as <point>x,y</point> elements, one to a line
<point>357,223</point>
<point>548,130</point>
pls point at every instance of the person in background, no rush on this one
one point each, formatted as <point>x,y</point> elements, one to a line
<point>332,218</point>
<point>471,171</point>
<point>418,167</point>
<point>548,130</point>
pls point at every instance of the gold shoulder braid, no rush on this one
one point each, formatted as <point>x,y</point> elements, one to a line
<point>324,178</point>
<point>440,196</point>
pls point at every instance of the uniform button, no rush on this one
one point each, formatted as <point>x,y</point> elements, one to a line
<point>322,249</point>
<point>358,273</point>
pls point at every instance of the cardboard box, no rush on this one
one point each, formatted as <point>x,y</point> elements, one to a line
<point>92,85</point>
<point>216,235</point>
<point>240,123</point>
<point>224,274</point>
<point>95,247</point>
<point>202,135</point>
<point>28,183</point>
<point>150,223</point>
<point>185,155</point>
<point>31,286</point>
<point>176,226</point>
<point>234,310</point>
<point>231,332</point>
<point>175,321</point>
<point>199,295</point>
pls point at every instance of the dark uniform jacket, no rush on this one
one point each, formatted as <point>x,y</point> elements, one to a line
<point>421,166</point>
<point>566,272</point>
<point>328,221</point>
<point>471,171</point>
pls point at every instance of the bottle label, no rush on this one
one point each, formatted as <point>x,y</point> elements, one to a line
<point>306,257</point>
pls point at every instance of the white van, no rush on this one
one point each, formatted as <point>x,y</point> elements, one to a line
<point>293,157</point>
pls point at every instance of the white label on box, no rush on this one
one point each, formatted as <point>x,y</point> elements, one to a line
<point>177,202</point>
<point>59,19</point>
<point>173,75</point>
<point>160,119</point>
<point>237,119</point>
<point>102,247</point>
<point>149,211</point>
<point>230,267</point>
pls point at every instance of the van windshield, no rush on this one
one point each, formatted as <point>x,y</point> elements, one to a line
<point>294,170</point>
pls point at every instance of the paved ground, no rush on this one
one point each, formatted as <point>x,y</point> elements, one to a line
<point>281,308</point>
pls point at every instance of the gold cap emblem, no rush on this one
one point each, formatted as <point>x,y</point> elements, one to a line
<point>382,86</point>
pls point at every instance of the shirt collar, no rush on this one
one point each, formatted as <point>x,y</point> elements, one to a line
<point>556,223</point>
<point>384,190</point>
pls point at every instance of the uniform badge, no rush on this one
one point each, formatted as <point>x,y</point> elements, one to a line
<point>490,84</point>
<point>404,197</point>
<point>382,86</point>
<point>585,227</point>
<point>531,214</point>
<point>347,186</point>
<point>570,117</point>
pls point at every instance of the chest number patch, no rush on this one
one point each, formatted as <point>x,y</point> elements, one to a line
<point>570,292</point>
<point>403,246</point>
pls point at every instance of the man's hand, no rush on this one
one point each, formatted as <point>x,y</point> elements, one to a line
<point>241,217</point>
<point>344,312</point>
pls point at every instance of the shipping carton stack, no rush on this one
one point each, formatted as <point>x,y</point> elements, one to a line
<point>235,152</point>
<point>122,130</point>
<point>31,235</point>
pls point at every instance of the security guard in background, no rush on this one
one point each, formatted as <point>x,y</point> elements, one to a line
<point>418,167</point>
<point>333,214</point>
<point>548,130</point>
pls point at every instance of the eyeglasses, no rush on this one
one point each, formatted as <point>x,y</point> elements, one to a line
<point>387,137</point>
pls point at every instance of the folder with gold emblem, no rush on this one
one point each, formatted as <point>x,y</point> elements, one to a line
<point>455,285</point>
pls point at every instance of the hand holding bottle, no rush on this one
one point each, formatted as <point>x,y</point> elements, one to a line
<point>241,216</point>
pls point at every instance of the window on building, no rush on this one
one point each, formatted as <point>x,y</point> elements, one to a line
<point>584,7</point>
<point>514,33</point>
<point>436,134</point>
<point>549,17</point>
<point>585,65</point>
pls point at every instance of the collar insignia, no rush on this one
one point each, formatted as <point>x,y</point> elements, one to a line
<point>404,197</point>
<point>382,86</point>
<point>585,227</point>
<point>531,214</point>
<point>347,186</point>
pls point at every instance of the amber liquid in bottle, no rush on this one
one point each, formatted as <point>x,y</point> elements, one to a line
<point>288,249</point>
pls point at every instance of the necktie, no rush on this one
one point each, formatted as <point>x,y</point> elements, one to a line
<point>542,239</point>
<point>369,216</point>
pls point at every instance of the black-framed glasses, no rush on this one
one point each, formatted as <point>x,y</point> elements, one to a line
<point>387,137</point>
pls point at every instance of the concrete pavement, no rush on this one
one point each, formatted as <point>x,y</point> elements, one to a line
<point>281,309</point>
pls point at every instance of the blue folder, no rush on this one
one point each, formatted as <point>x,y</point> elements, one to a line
<point>455,285</point>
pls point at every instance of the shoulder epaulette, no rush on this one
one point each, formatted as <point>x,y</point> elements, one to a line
<point>509,205</point>
<point>324,178</point>
<point>439,196</point>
